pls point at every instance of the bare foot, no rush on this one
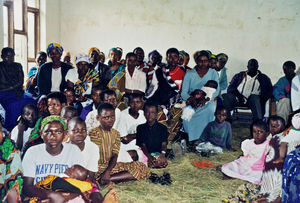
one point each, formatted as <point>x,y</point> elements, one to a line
<point>111,197</point>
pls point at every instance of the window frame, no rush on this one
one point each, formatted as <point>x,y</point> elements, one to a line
<point>12,31</point>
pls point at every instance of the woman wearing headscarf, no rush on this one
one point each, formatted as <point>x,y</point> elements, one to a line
<point>51,76</point>
<point>83,78</point>
<point>196,79</point>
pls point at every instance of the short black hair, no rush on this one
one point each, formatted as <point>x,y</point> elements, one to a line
<point>98,87</point>
<point>6,50</point>
<point>137,48</point>
<point>108,92</point>
<point>57,95</point>
<point>172,50</point>
<point>150,104</point>
<point>254,61</point>
<point>212,84</point>
<point>42,53</point>
<point>276,118</point>
<point>130,54</point>
<point>71,109</point>
<point>289,64</point>
<point>219,109</point>
<point>133,96</point>
<point>260,123</point>
<point>29,106</point>
<point>105,106</point>
<point>76,119</point>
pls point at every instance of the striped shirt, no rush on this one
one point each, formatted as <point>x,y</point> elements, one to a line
<point>108,143</point>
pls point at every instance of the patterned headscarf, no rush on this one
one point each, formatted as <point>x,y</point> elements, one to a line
<point>94,49</point>
<point>52,118</point>
<point>82,57</point>
<point>56,46</point>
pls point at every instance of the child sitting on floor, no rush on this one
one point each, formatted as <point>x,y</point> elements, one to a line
<point>152,137</point>
<point>250,166</point>
<point>217,134</point>
<point>291,140</point>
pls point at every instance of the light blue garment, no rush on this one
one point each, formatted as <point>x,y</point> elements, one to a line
<point>200,119</point>
<point>223,79</point>
<point>192,81</point>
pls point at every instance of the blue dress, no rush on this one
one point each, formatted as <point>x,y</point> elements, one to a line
<point>205,114</point>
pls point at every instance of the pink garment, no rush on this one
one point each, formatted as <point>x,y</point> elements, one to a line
<point>250,166</point>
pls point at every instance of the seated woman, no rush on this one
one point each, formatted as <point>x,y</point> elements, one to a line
<point>196,79</point>
<point>55,102</point>
<point>113,64</point>
<point>152,137</point>
<point>11,171</point>
<point>108,141</point>
<point>31,82</point>
<point>52,75</point>
<point>83,79</point>
<point>129,81</point>
<point>12,97</point>
<point>50,158</point>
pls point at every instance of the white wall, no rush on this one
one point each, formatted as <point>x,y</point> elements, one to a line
<point>267,30</point>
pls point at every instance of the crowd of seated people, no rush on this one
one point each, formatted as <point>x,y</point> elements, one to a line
<point>79,128</point>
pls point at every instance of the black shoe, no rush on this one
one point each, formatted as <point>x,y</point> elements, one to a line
<point>154,178</point>
<point>165,179</point>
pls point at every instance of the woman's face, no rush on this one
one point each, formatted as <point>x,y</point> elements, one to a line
<point>83,68</point>
<point>41,59</point>
<point>54,106</point>
<point>114,56</point>
<point>54,55</point>
<point>53,134</point>
<point>202,62</point>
